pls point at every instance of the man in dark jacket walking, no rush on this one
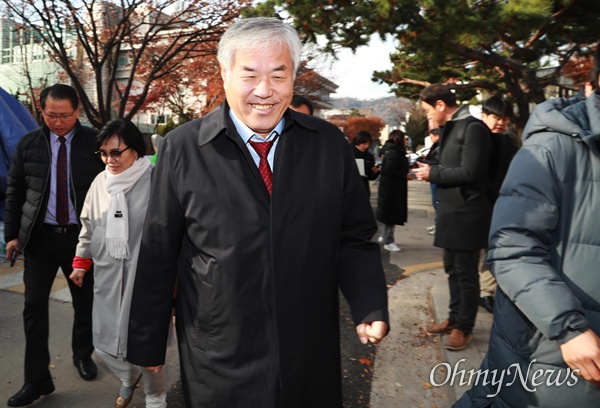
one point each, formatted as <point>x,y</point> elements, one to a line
<point>544,344</point>
<point>49,176</point>
<point>260,214</point>
<point>463,209</point>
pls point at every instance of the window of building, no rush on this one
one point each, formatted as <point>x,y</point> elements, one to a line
<point>159,119</point>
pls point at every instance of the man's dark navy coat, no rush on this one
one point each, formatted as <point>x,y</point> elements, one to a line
<point>258,276</point>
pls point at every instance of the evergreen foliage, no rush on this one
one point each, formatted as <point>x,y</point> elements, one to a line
<point>493,45</point>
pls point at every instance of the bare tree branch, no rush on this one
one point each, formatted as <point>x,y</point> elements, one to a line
<point>91,41</point>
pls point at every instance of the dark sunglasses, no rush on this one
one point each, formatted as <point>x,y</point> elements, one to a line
<point>114,154</point>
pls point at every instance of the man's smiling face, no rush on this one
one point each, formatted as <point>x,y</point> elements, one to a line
<point>260,87</point>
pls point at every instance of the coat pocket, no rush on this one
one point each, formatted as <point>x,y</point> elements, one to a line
<point>195,296</point>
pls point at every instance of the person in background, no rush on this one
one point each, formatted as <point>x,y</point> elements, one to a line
<point>393,190</point>
<point>361,142</point>
<point>302,104</point>
<point>496,113</point>
<point>463,207</point>
<point>261,216</point>
<point>383,149</point>
<point>112,219</point>
<point>156,140</point>
<point>590,85</point>
<point>432,158</point>
<point>49,176</point>
<point>544,253</point>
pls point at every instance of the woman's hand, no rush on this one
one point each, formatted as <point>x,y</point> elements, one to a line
<point>77,276</point>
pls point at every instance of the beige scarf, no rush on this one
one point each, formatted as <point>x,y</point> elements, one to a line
<point>117,219</point>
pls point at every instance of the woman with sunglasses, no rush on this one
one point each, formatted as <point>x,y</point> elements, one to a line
<point>112,219</point>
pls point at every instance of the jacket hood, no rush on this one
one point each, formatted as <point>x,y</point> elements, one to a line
<point>461,113</point>
<point>574,117</point>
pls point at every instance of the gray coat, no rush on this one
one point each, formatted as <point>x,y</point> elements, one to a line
<point>113,278</point>
<point>545,255</point>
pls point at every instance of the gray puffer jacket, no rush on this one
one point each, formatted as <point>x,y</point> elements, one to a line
<point>545,255</point>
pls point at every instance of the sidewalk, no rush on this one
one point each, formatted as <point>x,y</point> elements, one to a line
<point>472,356</point>
<point>399,381</point>
<point>71,390</point>
<point>424,288</point>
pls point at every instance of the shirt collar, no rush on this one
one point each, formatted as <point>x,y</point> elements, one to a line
<point>248,134</point>
<point>68,136</point>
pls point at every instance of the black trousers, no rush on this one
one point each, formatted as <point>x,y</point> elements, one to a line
<point>53,250</point>
<point>463,280</point>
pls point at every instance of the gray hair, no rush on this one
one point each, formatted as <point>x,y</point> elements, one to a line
<point>257,34</point>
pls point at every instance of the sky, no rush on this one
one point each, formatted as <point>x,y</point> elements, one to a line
<point>352,72</point>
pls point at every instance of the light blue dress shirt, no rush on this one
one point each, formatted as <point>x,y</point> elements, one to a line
<point>248,134</point>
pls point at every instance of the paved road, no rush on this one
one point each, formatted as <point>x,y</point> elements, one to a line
<point>399,376</point>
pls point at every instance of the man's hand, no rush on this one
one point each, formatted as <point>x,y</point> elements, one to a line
<point>154,370</point>
<point>371,331</point>
<point>77,276</point>
<point>583,353</point>
<point>12,248</point>
<point>422,172</point>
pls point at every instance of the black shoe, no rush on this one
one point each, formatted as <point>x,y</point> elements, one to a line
<point>30,393</point>
<point>86,367</point>
<point>487,302</point>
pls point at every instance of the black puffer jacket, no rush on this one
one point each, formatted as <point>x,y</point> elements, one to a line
<point>28,186</point>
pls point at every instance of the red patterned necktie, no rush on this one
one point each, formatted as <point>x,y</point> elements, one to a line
<point>263,148</point>
<point>62,188</point>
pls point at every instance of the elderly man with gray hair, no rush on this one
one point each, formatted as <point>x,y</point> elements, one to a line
<point>260,213</point>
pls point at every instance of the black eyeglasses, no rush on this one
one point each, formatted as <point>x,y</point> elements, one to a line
<point>113,154</point>
<point>54,118</point>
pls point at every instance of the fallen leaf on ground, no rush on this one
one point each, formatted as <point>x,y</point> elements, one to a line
<point>365,361</point>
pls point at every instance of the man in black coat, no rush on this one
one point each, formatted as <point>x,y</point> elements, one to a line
<point>36,224</point>
<point>495,114</point>
<point>260,239</point>
<point>463,210</point>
